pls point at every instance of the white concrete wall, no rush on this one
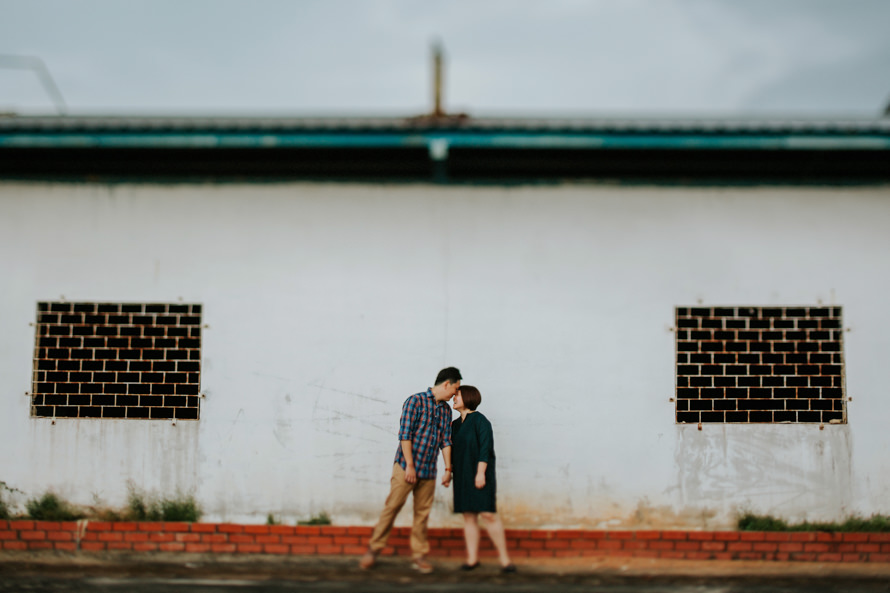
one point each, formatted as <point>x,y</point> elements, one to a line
<point>329,304</point>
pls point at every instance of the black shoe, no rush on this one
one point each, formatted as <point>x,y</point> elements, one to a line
<point>466,566</point>
<point>509,569</point>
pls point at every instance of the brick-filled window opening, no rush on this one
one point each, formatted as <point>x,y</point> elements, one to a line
<point>117,360</point>
<point>760,364</point>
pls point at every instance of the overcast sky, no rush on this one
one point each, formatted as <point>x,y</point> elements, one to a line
<point>504,57</point>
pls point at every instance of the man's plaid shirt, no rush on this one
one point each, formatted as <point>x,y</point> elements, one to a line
<point>427,424</point>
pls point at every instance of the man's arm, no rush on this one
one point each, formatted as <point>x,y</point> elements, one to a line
<point>410,472</point>
<point>446,455</point>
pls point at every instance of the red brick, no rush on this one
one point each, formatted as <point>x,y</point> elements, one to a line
<point>355,550</point>
<point>229,528</point>
<point>453,543</point>
<point>67,546</point>
<point>805,556</point>
<point>249,548</point>
<point>739,547</point>
<point>828,557</point>
<point>150,526</point>
<point>363,531</point>
<point>675,535</point>
<point>99,526</point>
<point>120,546</point>
<point>14,545</point>
<point>124,526</point>
<point>868,548</point>
<point>312,530</point>
<point>563,553</point>
<point>879,537</point>
<point>540,554</point>
<point>698,555</point>
<point>330,549</point>
<point>242,538</point>
<point>145,547</point>
<point>853,557</point>
<point>752,536</point>
<point>777,537</point>
<point>816,547</point>
<point>204,527</point>
<point>568,533</point>
<point>21,525</point>
<point>521,553</point>
<point>9,535</point>
<point>32,535</point>
<point>713,546</point>
<point>67,536</point>
<point>754,556</point>
<point>47,526</point>
<point>726,536</point>
<point>214,538</point>
<point>223,548</point>
<point>648,534</point>
<point>161,537</point>
<point>347,540</point>
<point>176,527</point>
<point>4,524</point>
<point>855,537</point>
<point>701,535</point>
<point>580,544</point>
<point>322,540</point>
<point>257,529</point>
<point>845,548</point>
<point>791,547</point>
<point>598,534</point>
<point>635,545</point>
<point>555,544</point>
<point>40,545</point>
<point>268,539</point>
<point>282,529</point>
<point>187,537</point>
<point>197,548</point>
<point>532,544</point>
<point>172,547</point>
<point>309,550</point>
<point>111,536</point>
<point>607,544</point>
<point>766,547</point>
<point>660,545</point>
<point>340,530</point>
<point>92,546</point>
<point>879,557</point>
<point>621,534</point>
<point>688,546</point>
<point>885,547</point>
<point>803,536</point>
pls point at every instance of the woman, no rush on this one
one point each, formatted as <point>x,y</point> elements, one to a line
<point>475,485</point>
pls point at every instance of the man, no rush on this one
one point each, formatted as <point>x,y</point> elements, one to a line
<point>424,429</point>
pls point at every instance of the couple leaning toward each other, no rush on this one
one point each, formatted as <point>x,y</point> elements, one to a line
<point>425,428</point>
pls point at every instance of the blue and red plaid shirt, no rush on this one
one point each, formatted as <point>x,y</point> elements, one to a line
<point>427,424</point>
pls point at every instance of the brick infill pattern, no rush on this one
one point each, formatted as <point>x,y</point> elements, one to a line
<point>97,536</point>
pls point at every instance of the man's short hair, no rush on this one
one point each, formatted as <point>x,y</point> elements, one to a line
<point>470,396</point>
<point>449,374</point>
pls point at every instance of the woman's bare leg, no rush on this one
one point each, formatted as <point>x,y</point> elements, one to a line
<point>495,529</point>
<point>471,537</point>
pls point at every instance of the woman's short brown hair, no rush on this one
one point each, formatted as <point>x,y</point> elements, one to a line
<point>470,396</point>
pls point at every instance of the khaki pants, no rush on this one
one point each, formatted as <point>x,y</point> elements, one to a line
<point>399,489</point>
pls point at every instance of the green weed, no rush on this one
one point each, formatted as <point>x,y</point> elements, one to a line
<point>319,519</point>
<point>50,507</point>
<point>876,523</point>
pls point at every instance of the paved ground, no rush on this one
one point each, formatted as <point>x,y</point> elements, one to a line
<point>152,573</point>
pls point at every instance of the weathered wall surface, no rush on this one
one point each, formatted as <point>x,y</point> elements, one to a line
<point>328,304</point>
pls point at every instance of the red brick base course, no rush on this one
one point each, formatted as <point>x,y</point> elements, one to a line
<point>333,540</point>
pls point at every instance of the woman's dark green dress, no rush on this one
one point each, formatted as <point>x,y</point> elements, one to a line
<point>473,441</point>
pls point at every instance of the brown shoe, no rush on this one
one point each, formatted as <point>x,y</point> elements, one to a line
<point>422,566</point>
<point>368,561</point>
